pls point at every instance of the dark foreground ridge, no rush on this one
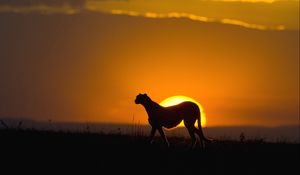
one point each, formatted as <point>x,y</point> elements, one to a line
<point>117,153</point>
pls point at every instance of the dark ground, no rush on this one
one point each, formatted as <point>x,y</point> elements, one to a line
<point>57,152</point>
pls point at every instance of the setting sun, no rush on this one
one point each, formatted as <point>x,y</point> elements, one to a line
<point>174,100</point>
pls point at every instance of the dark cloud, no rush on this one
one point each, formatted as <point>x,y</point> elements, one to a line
<point>55,3</point>
<point>26,3</point>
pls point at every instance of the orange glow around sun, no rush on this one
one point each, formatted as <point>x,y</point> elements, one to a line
<point>174,100</point>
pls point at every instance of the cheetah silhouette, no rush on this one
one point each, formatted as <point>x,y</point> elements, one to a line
<point>160,117</point>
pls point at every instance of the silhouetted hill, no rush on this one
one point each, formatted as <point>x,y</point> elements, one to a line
<point>113,153</point>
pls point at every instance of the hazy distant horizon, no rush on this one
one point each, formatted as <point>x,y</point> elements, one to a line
<point>287,133</point>
<point>136,121</point>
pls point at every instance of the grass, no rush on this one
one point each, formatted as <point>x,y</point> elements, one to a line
<point>133,154</point>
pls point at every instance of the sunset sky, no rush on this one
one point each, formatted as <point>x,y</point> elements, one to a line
<point>86,60</point>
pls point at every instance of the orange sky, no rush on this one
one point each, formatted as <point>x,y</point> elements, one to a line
<point>90,66</point>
